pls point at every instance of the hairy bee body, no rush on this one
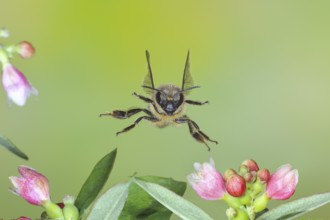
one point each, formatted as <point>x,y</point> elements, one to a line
<point>165,119</point>
<point>167,113</point>
<point>166,105</point>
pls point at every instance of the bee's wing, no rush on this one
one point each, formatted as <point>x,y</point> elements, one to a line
<point>148,79</point>
<point>187,81</point>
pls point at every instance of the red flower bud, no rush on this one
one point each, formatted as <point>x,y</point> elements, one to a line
<point>249,177</point>
<point>251,165</point>
<point>25,49</point>
<point>60,204</point>
<point>236,185</point>
<point>263,175</point>
<point>228,173</point>
<point>23,218</point>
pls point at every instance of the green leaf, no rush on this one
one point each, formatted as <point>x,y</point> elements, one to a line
<point>179,206</point>
<point>297,208</point>
<point>5,142</point>
<point>95,181</point>
<point>110,204</point>
<point>140,205</point>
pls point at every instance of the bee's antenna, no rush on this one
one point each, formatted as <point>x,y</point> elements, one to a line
<point>148,87</point>
<point>190,88</point>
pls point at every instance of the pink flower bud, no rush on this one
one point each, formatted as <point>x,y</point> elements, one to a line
<point>17,87</point>
<point>282,184</point>
<point>23,218</point>
<point>263,175</point>
<point>207,181</point>
<point>236,185</point>
<point>251,165</point>
<point>31,186</point>
<point>25,49</point>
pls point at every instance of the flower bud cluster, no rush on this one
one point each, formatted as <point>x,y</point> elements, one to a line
<point>248,190</point>
<point>15,84</point>
<point>34,188</point>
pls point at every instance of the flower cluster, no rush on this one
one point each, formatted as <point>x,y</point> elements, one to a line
<point>248,190</point>
<point>15,84</point>
<point>34,188</point>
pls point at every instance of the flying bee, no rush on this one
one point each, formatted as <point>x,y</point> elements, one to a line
<point>166,105</point>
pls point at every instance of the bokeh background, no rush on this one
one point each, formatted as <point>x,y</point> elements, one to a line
<point>264,67</point>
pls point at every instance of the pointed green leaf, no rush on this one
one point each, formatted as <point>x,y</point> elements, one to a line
<point>179,206</point>
<point>110,204</point>
<point>140,205</point>
<point>95,181</point>
<point>297,208</point>
<point>5,142</point>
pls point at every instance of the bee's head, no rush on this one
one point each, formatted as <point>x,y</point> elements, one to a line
<point>169,98</point>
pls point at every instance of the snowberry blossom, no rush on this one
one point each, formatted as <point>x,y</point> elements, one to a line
<point>16,85</point>
<point>282,184</point>
<point>31,186</point>
<point>207,181</point>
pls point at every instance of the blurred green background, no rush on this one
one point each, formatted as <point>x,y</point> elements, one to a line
<point>264,67</point>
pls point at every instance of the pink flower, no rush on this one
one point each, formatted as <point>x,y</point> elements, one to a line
<point>17,87</point>
<point>282,184</point>
<point>31,186</point>
<point>207,181</point>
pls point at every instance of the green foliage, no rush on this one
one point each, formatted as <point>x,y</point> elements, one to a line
<point>181,207</point>
<point>297,208</point>
<point>5,142</point>
<point>150,198</point>
<point>95,181</point>
<point>141,205</point>
<point>110,204</point>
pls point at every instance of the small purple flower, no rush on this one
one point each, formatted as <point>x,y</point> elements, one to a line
<point>282,184</point>
<point>31,186</point>
<point>16,85</point>
<point>207,181</point>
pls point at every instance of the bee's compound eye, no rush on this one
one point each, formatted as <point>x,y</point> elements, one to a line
<point>163,97</point>
<point>160,98</point>
<point>177,97</point>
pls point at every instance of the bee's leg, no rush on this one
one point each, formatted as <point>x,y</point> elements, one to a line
<point>202,133</point>
<point>195,131</point>
<point>126,114</point>
<point>196,102</point>
<point>136,122</point>
<point>147,100</point>
<point>197,135</point>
